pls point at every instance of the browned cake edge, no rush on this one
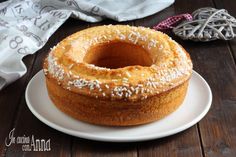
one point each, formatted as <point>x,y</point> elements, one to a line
<point>115,113</point>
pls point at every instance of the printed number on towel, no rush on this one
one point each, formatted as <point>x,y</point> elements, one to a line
<point>16,42</point>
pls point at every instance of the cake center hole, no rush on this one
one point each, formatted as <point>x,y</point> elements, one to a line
<point>115,55</point>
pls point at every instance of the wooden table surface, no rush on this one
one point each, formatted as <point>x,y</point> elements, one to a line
<point>213,136</point>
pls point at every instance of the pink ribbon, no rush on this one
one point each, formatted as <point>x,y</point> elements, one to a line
<point>170,22</point>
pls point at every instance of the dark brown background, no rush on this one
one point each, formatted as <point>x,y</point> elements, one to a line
<point>213,136</point>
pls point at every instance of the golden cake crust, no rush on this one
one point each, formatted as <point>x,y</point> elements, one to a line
<point>116,113</point>
<point>120,96</point>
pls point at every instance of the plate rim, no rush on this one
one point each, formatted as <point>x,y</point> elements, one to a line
<point>119,139</point>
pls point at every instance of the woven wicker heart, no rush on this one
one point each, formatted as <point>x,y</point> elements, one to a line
<point>207,24</point>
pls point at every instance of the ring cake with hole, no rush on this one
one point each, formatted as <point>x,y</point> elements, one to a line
<point>117,75</point>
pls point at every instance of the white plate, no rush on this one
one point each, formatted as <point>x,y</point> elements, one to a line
<point>194,108</point>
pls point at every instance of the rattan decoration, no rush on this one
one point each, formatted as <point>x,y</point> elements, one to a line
<point>207,24</point>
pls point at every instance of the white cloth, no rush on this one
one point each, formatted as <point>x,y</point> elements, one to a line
<point>26,25</point>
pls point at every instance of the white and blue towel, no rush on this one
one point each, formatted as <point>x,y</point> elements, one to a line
<point>26,25</point>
